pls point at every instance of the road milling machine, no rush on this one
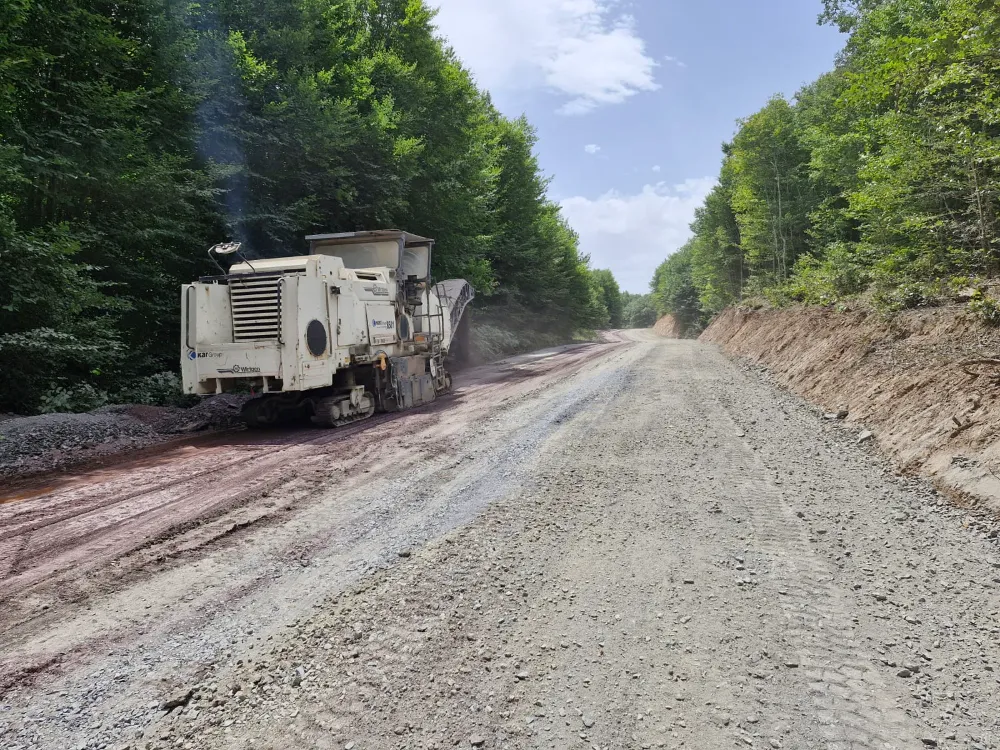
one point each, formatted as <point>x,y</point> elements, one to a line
<point>352,328</point>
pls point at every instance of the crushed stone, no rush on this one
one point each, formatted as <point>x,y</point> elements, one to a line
<point>53,442</point>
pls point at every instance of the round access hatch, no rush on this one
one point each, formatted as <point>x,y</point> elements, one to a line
<point>316,338</point>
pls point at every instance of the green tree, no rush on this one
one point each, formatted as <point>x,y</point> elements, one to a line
<point>718,266</point>
<point>101,202</point>
<point>136,133</point>
<point>611,297</point>
<point>883,174</point>
<point>770,195</point>
<point>639,310</point>
<point>673,289</point>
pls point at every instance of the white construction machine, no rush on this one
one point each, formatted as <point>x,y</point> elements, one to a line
<point>352,328</point>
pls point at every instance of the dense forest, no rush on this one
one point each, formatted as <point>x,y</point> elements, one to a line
<point>881,179</point>
<point>134,134</point>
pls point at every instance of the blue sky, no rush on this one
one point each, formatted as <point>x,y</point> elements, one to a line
<point>632,100</point>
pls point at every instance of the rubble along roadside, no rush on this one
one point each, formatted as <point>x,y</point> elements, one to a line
<point>919,385</point>
<point>54,442</point>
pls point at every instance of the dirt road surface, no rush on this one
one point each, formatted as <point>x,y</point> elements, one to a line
<point>630,544</point>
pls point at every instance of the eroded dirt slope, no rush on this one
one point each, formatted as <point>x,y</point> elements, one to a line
<point>902,379</point>
<point>668,327</point>
<point>652,547</point>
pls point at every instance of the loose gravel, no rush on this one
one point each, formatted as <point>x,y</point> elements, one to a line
<point>680,556</point>
<point>51,442</point>
<point>45,442</point>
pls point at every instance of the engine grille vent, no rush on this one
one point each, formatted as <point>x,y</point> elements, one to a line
<point>256,302</point>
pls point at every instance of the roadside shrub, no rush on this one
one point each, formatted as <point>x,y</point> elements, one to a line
<point>491,341</point>
<point>906,296</point>
<point>694,330</point>
<point>640,311</point>
<point>984,309</point>
<point>822,281</point>
<point>158,389</point>
<point>76,398</point>
<point>958,284</point>
<point>777,296</point>
<point>44,367</point>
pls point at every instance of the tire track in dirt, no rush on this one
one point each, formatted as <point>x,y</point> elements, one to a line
<point>114,518</point>
<point>853,703</point>
<point>643,549</point>
<point>113,524</point>
<point>173,520</point>
<point>651,586</point>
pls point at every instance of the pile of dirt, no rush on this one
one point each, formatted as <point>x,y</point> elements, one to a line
<point>49,442</point>
<point>669,327</point>
<point>214,413</point>
<point>903,382</point>
<point>32,444</point>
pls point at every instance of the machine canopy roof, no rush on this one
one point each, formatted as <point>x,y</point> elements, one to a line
<point>375,236</point>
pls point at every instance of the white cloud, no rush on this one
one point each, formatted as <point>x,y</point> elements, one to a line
<point>591,148</point>
<point>580,49</point>
<point>657,168</point>
<point>633,234</point>
<point>675,61</point>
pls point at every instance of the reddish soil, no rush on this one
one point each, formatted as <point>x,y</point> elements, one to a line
<point>66,539</point>
<point>902,379</point>
<point>668,327</point>
<point>637,543</point>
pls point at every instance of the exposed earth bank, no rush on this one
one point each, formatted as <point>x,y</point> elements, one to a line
<point>916,382</point>
<point>669,327</point>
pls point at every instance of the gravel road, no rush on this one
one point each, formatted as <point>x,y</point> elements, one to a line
<point>631,544</point>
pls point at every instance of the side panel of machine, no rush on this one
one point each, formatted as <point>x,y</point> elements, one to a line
<point>381,323</point>
<point>213,315</point>
<point>352,326</point>
<point>206,323</point>
<point>414,385</point>
<point>251,360</point>
<point>289,333</point>
<point>208,353</point>
<point>189,364</point>
<point>316,341</point>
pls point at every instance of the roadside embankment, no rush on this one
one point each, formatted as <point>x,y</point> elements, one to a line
<point>492,336</point>
<point>908,380</point>
<point>668,327</point>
